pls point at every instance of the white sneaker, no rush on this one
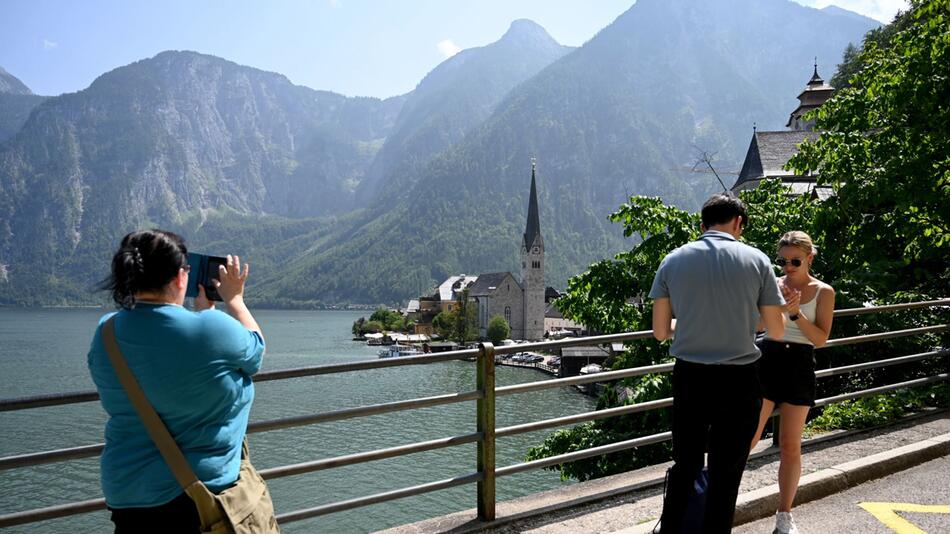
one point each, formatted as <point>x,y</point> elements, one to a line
<point>784,524</point>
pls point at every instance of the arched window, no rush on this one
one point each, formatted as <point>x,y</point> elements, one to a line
<point>508,315</point>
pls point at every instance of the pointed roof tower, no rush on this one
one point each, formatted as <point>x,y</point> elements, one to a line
<point>816,93</point>
<point>532,230</point>
<point>816,80</point>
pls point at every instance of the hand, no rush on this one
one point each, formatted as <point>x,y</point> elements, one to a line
<point>230,283</point>
<point>202,302</point>
<point>793,298</point>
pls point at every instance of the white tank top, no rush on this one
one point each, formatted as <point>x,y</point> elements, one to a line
<point>793,334</point>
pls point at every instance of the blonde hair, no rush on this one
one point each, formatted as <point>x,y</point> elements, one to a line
<point>798,239</point>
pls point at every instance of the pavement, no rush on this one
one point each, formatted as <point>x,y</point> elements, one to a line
<point>910,501</point>
<point>629,503</point>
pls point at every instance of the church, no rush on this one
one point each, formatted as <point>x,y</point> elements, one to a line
<point>770,151</point>
<point>521,301</point>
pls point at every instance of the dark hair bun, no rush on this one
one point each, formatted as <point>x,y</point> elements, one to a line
<point>147,260</point>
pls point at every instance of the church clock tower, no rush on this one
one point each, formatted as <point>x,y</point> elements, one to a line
<point>532,268</point>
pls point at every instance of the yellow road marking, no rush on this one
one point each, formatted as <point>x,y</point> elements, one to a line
<point>886,512</point>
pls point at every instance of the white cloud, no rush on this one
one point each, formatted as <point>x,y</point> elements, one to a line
<point>447,48</point>
<point>334,3</point>
<point>49,45</point>
<point>880,10</point>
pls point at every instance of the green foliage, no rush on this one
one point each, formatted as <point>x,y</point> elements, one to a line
<point>443,324</point>
<point>498,329</point>
<point>851,60</point>
<point>464,318</point>
<point>382,320</point>
<point>604,432</point>
<point>373,326</point>
<point>880,409</point>
<point>601,297</point>
<point>885,150</point>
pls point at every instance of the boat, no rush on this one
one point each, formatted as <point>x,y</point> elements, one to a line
<point>398,351</point>
<point>591,368</point>
<point>374,338</point>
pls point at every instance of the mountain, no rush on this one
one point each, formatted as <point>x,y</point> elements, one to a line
<point>627,113</point>
<point>835,10</point>
<point>10,84</point>
<point>16,103</point>
<point>456,96</point>
<point>168,140</point>
<point>242,160</point>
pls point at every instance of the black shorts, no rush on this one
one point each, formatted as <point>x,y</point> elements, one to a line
<point>787,372</point>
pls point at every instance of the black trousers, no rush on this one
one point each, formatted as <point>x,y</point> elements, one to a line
<point>715,408</point>
<point>180,515</point>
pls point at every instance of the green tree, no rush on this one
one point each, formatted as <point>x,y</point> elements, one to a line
<point>358,326</point>
<point>852,62</point>
<point>464,318</point>
<point>373,326</point>
<point>498,329</point>
<point>460,323</point>
<point>885,149</point>
<point>442,323</point>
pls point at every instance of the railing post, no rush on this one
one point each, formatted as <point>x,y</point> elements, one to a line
<point>485,382</point>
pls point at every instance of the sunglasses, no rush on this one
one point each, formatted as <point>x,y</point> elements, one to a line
<point>782,262</point>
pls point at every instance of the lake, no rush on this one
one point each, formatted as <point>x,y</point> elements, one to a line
<point>44,351</point>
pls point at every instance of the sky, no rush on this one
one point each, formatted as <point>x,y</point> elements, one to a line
<point>377,48</point>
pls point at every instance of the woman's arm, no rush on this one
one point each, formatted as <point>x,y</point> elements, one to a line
<point>818,328</point>
<point>231,288</point>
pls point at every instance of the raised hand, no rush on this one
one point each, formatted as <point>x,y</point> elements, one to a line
<point>231,279</point>
<point>793,298</point>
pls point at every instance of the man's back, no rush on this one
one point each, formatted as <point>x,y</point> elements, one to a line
<point>716,285</point>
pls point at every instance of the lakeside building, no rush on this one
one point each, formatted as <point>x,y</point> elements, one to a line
<point>521,301</point>
<point>770,151</point>
<point>424,309</point>
<point>555,325</point>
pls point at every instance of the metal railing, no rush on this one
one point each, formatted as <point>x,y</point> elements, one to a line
<point>485,434</point>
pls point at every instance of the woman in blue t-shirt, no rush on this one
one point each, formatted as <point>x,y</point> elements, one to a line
<point>195,368</point>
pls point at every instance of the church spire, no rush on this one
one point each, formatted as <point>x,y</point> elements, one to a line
<point>816,80</point>
<point>532,229</point>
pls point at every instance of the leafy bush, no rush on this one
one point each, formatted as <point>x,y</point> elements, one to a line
<point>498,329</point>
<point>879,409</point>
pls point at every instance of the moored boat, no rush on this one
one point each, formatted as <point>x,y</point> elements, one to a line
<point>397,351</point>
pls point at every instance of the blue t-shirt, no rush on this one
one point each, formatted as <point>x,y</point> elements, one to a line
<point>195,368</point>
<point>716,285</point>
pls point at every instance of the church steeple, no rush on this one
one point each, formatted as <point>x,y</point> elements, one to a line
<point>532,267</point>
<point>532,230</point>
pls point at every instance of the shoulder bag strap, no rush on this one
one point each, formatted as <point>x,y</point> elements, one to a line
<point>171,453</point>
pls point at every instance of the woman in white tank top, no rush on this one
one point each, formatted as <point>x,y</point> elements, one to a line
<point>787,366</point>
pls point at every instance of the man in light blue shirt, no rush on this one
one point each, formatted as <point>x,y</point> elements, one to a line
<point>717,289</point>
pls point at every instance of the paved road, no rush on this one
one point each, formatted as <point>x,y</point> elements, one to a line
<point>926,488</point>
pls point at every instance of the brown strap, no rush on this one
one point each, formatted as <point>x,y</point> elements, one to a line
<point>153,423</point>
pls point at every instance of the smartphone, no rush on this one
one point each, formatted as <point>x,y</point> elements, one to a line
<point>204,269</point>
